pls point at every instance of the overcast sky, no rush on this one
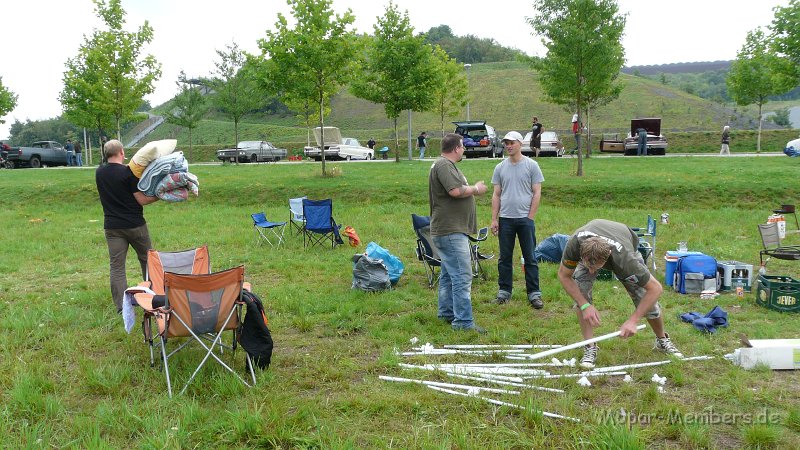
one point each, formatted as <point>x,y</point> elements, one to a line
<point>38,36</point>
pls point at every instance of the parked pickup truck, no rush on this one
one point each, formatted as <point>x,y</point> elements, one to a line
<point>337,147</point>
<point>41,153</point>
<point>252,151</point>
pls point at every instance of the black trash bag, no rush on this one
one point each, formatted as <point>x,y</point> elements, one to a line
<point>254,335</point>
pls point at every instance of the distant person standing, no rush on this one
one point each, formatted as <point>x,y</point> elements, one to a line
<point>371,143</point>
<point>536,137</point>
<point>78,159</point>
<point>726,139</point>
<point>453,217</point>
<point>576,130</point>
<point>641,150</point>
<point>517,192</point>
<point>422,144</point>
<point>70,152</point>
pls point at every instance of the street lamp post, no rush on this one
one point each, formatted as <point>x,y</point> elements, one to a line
<point>466,69</point>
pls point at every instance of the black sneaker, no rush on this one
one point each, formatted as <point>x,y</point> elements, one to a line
<point>502,298</point>
<point>589,356</point>
<point>665,345</point>
<point>535,299</point>
<point>473,327</point>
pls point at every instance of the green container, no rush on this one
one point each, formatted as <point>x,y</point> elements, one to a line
<point>780,293</point>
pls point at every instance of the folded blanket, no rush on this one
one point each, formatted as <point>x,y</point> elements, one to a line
<point>128,302</point>
<point>175,187</point>
<point>156,170</point>
<point>717,317</point>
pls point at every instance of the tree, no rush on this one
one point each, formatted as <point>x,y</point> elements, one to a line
<point>108,79</point>
<point>400,71</point>
<point>584,52</point>
<point>189,107</point>
<point>236,92</point>
<point>319,50</point>
<point>8,101</point>
<point>756,74</point>
<point>785,30</point>
<point>781,118</point>
<point>451,91</point>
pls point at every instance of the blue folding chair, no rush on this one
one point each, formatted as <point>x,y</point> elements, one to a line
<point>263,227</point>
<point>320,226</point>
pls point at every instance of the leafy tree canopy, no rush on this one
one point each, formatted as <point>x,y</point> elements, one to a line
<point>8,101</point>
<point>470,49</point>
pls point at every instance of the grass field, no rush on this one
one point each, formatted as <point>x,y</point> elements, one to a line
<point>71,377</point>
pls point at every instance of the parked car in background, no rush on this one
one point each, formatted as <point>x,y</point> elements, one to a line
<point>337,147</point>
<point>550,146</point>
<point>656,143</point>
<point>40,153</point>
<point>479,139</point>
<point>252,151</point>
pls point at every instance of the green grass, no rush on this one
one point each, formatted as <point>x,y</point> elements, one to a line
<point>71,377</point>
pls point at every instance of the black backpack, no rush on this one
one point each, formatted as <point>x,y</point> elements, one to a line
<point>253,332</point>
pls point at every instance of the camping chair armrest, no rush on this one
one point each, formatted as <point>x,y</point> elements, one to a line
<point>146,284</point>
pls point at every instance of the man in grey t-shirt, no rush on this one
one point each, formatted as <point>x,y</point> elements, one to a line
<point>613,246</point>
<point>517,184</point>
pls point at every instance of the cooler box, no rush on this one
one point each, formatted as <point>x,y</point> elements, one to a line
<point>733,274</point>
<point>672,263</point>
<point>779,293</point>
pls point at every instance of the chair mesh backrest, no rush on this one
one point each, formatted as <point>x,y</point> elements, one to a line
<point>318,214</point>
<point>770,236</point>
<point>296,208</point>
<point>203,301</point>
<point>422,226</point>
<point>194,261</point>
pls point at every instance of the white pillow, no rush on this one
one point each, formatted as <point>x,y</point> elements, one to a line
<point>150,152</point>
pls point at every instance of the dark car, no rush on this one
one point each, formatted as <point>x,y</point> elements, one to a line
<point>479,139</point>
<point>656,142</point>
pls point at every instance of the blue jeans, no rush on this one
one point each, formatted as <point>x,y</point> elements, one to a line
<point>70,156</point>
<point>523,229</point>
<point>455,279</point>
<point>421,152</point>
<point>78,160</point>
<point>642,149</point>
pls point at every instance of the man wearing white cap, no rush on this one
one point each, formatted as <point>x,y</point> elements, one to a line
<point>517,184</point>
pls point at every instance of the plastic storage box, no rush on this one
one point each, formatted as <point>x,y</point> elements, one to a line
<point>672,263</point>
<point>779,293</point>
<point>733,274</point>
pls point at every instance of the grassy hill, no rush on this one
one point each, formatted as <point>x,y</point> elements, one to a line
<point>505,94</point>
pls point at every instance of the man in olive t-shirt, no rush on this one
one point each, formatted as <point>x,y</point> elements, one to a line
<point>612,246</point>
<point>452,219</point>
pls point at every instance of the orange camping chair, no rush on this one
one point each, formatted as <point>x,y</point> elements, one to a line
<point>194,261</point>
<point>201,308</point>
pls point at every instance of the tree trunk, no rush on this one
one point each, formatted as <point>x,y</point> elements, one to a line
<point>758,140</point>
<point>236,138</point>
<point>190,144</point>
<point>396,142</point>
<point>322,132</point>
<point>578,151</point>
<point>588,136</point>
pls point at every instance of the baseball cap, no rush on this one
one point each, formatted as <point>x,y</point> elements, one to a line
<point>513,136</point>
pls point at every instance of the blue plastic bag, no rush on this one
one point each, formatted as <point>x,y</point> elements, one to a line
<point>393,263</point>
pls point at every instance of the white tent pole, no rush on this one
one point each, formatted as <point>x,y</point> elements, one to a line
<point>579,344</point>
<point>576,375</point>
<point>649,364</point>
<point>521,346</point>
<point>498,402</point>
<point>486,380</point>
<point>448,385</point>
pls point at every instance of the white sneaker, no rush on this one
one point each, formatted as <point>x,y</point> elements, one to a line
<point>665,345</point>
<point>589,356</point>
